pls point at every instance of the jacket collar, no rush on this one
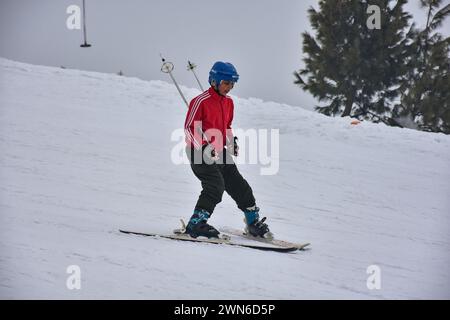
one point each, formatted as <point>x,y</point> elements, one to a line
<point>215,95</point>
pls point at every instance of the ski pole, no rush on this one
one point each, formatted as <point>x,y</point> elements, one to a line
<point>191,67</point>
<point>85,44</point>
<point>167,67</point>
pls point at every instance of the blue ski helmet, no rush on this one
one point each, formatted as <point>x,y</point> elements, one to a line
<point>222,71</point>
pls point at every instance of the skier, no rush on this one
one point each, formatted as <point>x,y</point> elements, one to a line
<point>210,144</point>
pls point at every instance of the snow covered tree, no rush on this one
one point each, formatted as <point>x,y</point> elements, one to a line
<point>425,100</point>
<point>355,70</point>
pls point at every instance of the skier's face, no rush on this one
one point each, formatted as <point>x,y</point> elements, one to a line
<point>225,87</point>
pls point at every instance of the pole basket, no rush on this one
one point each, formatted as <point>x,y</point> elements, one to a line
<point>167,67</point>
<point>191,66</point>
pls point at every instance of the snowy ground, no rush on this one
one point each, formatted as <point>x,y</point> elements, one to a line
<point>83,154</point>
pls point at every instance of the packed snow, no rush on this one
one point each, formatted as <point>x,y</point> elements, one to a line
<point>83,154</point>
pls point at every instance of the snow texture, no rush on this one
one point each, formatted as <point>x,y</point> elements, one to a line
<point>83,154</point>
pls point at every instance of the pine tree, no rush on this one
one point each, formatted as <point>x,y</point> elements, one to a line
<point>356,71</point>
<point>425,99</point>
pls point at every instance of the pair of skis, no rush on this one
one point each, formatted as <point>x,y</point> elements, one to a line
<point>229,236</point>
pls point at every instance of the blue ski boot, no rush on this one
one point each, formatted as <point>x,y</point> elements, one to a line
<point>256,227</point>
<point>198,226</point>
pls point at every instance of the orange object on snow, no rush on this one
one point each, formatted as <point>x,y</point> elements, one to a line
<point>355,122</point>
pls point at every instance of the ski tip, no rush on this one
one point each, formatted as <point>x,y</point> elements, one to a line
<point>304,247</point>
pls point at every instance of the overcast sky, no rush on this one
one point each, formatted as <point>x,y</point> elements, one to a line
<point>261,38</point>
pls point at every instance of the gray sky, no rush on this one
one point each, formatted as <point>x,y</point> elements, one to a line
<point>261,38</point>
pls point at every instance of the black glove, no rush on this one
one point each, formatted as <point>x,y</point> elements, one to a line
<point>233,147</point>
<point>210,154</point>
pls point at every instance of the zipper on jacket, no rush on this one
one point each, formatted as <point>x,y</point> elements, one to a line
<point>223,120</point>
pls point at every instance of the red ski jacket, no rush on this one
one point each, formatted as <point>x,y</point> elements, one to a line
<point>213,114</point>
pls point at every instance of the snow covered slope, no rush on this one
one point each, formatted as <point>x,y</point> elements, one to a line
<point>83,154</point>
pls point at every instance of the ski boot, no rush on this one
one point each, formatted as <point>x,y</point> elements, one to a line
<point>198,227</point>
<point>256,227</point>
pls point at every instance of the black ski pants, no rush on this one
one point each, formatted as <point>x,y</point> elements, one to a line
<point>217,177</point>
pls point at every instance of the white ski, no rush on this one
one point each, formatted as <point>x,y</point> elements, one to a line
<point>270,240</point>
<point>224,240</point>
